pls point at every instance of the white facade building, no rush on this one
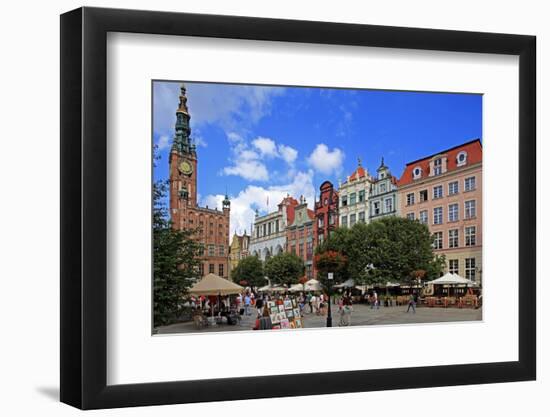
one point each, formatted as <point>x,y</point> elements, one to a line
<point>383,194</point>
<point>269,232</point>
<point>354,198</point>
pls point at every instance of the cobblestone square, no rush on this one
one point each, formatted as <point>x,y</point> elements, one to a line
<point>362,315</point>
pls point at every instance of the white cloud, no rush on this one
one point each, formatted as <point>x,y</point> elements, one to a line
<point>245,203</point>
<point>288,153</point>
<point>248,159</point>
<point>266,146</point>
<point>163,142</point>
<point>326,161</point>
<point>249,170</point>
<point>230,106</point>
<point>199,141</point>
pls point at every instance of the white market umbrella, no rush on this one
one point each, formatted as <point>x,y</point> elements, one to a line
<point>450,279</point>
<point>349,283</point>
<point>275,288</point>
<point>312,285</point>
<point>469,283</point>
<point>296,288</point>
<point>215,285</point>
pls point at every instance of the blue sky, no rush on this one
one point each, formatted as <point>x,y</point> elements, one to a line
<point>261,142</point>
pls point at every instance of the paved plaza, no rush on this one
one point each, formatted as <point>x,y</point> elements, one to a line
<point>362,315</point>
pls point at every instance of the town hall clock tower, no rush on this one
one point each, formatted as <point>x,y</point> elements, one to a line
<point>183,162</point>
<point>210,226</point>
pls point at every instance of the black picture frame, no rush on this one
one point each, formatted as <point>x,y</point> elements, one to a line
<point>84,207</point>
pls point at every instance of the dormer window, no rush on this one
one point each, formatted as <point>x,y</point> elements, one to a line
<point>438,166</point>
<point>461,158</point>
<point>417,173</point>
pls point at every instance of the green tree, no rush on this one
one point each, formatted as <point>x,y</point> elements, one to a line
<point>391,248</point>
<point>284,269</point>
<point>339,241</point>
<point>251,270</point>
<point>330,261</point>
<point>175,260</point>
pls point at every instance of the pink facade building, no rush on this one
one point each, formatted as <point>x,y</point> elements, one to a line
<point>444,191</point>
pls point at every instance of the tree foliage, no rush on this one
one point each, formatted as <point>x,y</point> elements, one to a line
<point>175,260</point>
<point>251,270</point>
<point>330,261</point>
<point>388,249</point>
<point>284,269</point>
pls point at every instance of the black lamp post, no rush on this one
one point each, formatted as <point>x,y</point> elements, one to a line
<point>329,311</point>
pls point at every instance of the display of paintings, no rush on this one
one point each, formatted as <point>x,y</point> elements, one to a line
<point>273,309</point>
<point>280,316</point>
<point>271,304</point>
<point>292,324</point>
<point>274,318</point>
<point>281,308</point>
<point>296,312</point>
<point>290,313</point>
<point>294,303</point>
<point>285,324</point>
<point>288,304</point>
<point>298,323</point>
<point>277,326</point>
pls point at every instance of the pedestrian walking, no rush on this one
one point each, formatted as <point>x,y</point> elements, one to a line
<point>310,302</point>
<point>247,302</point>
<point>375,302</point>
<point>259,303</point>
<point>345,311</point>
<point>412,303</point>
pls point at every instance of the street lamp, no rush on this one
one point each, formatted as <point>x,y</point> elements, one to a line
<point>478,269</point>
<point>329,311</point>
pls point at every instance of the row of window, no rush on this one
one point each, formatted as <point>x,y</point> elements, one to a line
<point>212,269</point>
<point>453,214</point>
<point>453,238</point>
<point>469,268</point>
<point>211,250</point>
<point>437,191</point>
<point>377,210</point>
<point>436,166</point>
<point>354,198</point>
<point>300,253</point>
<point>267,229</point>
<point>321,220</point>
<point>353,218</point>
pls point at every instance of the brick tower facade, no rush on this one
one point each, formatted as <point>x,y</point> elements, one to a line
<point>211,223</point>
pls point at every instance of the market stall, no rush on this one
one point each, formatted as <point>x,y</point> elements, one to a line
<point>215,286</point>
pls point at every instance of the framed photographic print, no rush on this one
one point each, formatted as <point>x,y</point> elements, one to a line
<point>211,165</point>
<point>274,318</point>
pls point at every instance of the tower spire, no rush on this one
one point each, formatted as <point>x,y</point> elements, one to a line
<point>182,138</point>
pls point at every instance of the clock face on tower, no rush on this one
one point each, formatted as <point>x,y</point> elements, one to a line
<point>185,168</point>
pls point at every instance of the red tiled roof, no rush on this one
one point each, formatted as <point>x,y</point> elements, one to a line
<point>472,148</point>
<point>358,173</point>
<point>290,203</point>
